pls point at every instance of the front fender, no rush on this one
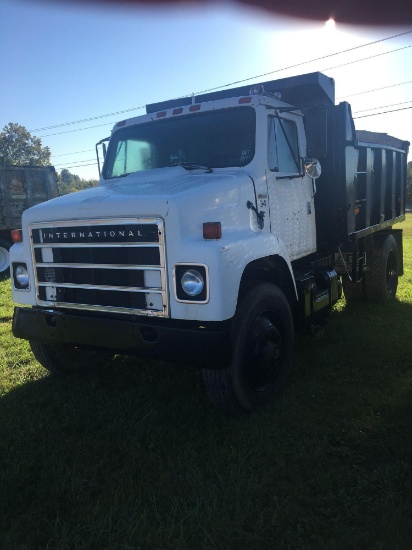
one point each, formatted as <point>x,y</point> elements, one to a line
<point>226,260</point>
<point>239,254</point>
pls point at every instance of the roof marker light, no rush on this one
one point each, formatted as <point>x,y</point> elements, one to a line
<point>121,123</point>
<point>178,111</point>
<point>194,108</point>
<point>245,100</point>
<point>161,114</point>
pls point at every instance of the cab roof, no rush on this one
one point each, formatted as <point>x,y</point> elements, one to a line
<point>301,90</point>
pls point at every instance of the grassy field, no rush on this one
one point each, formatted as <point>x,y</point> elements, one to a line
<point>135,458</point>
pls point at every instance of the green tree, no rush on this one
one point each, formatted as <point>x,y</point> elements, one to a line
<point>409,184</point>
<point>18,146</point>
<point>69,183</point>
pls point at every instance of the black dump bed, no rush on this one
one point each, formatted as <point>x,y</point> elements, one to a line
<point>363,184</point>
<point>365,137</point>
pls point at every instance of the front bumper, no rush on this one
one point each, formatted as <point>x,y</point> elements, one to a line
<point>206,345</point>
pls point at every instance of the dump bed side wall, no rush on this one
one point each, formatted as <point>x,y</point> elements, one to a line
<point>22,187</point>
<point>378,192</point>
<point>363,185</point>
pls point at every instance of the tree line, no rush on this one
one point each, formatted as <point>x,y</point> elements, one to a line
<point>70,183</point>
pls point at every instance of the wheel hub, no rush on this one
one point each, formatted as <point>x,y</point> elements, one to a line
<point>391,273</point>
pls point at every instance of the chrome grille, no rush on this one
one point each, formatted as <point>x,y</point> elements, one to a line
<point>104,265</point>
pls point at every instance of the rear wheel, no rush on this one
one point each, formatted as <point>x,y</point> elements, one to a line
<point>68,358</point>
<point>381,281</point>
<point>262,351</point>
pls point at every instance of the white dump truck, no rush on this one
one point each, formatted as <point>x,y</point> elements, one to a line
<point>220,223</point>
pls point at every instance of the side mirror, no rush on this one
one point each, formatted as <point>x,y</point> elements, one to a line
<point>312,167</point>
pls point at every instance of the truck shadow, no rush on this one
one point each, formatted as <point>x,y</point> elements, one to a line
<point>133,397</point>
<point>126,399</point>
<point>359,329</point>
<point>358,343</point>
<point>143,433</point>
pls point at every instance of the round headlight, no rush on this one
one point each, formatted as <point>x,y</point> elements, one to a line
<point>22,276</point>
<point>192,282</point>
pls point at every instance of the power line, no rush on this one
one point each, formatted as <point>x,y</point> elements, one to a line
<point>377,89</point>
<point>74,153</point>
<point>384,112</point>
<point>197,93</point>
<point>81,165</point>
<point>226,85</point>
<point>66,163</point>
<point>382,107</point>
<point>328,69</point>
<point>78,129</point>
<point>305,62</point>
<point>88,119</point>
<point>366,58</point>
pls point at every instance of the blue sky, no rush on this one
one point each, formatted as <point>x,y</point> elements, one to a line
<point>63,63</point>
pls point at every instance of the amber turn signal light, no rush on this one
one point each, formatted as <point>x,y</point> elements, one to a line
<point>212,230</point>
<point>16,235</point>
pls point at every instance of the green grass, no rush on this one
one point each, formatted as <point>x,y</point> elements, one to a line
<point>135,458</point>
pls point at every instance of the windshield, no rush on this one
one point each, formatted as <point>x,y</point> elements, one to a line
<point>215,139</point>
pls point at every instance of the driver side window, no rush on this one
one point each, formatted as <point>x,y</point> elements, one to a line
<point>283,149</point>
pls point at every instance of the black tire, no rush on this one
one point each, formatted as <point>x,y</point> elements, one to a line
<point>381,281</point>
<point>4,259</point>
<point>68,359</point>
<point>354,292</point>
<point>262,353</point>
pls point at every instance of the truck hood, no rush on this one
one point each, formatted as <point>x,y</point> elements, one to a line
<point>148,193</point>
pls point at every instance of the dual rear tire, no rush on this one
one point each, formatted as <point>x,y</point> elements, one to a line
<point>380,282</point>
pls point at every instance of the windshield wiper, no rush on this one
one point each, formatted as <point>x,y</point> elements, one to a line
<point>120,176</point>
<point>193,166</point>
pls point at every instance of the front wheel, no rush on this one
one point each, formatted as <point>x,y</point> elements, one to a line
<point>262,352</point>
<point>68,358</point>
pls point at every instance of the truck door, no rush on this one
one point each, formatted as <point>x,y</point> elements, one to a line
<point>291,192</point>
